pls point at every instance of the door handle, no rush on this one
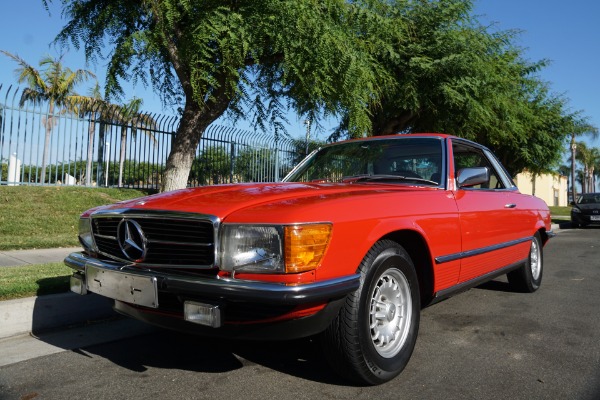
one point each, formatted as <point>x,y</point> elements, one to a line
<point>510,205</point>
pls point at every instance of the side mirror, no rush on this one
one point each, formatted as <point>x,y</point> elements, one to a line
<point>472,176</point>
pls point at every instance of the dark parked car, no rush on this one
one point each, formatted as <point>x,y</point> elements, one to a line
<point>586,210</point>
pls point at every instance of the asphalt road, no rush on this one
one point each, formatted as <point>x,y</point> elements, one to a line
<point>487,343</point>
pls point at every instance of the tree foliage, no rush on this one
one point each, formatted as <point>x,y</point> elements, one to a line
<point>212,166</point>
<point>212,56</point>
<point>456,76</point>
<point>379,66</point>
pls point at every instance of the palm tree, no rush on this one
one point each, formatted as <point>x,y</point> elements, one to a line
<point>589,158</point>
<point>580,127</point>
<point>565,170</point>
<point>99,110</point>
<point>593,168</point>
<point>53,83</point>
<point>129,116</point>
<point>596,173</point>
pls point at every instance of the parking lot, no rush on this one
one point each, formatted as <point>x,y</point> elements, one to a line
<point>487,343</point>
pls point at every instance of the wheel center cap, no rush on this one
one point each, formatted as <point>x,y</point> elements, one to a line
<point>391,311</point>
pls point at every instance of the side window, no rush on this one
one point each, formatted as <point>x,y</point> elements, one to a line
<point>466,156</point>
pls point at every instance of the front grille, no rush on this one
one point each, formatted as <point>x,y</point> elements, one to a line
<point>171,241</point>
<point>590,212</point>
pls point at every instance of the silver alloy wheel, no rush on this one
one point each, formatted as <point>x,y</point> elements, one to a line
<point>535,260</point>
<point>390,313</point>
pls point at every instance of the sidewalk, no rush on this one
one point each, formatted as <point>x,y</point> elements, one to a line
<point>46,313</point>
<point>11,258</point>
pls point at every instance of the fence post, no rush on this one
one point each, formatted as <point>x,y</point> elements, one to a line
<point>14,170</point>
<point>276,156</point>
<point>232,161</point>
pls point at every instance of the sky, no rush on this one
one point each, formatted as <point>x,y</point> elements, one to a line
<point>566,33</point>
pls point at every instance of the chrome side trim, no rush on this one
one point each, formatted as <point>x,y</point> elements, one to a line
<point>464,286</point>
<point>226,288</point>
<point>483,250</point>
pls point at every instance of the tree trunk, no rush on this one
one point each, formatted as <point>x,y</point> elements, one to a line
<point>179,163</point>
<point>385,125</point>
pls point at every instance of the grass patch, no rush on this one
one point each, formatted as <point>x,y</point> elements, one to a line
<point>560,211</point>
<point>38,217</point>
<point>33,280</point>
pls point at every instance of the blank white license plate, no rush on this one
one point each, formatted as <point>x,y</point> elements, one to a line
<point>595,218</point>
<point>134,289</point>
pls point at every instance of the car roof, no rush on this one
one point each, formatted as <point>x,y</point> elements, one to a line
<point>396,135</point>
<point>404,135</point>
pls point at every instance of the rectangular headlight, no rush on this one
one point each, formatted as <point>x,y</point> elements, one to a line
<point>86,238</point>
<point>273,249</point>
<point>252,248</point>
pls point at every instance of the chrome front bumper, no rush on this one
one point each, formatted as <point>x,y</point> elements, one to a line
<point>127,283</point>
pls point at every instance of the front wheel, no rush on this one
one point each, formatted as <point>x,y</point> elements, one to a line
<point>528,278</point>
<point>373,337</point>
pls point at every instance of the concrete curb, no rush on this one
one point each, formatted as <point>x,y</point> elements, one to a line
<point>28,346</point>
<point>44,313</point>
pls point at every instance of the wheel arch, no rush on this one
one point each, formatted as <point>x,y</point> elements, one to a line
<point>544,235</point>
<point>418,250</point>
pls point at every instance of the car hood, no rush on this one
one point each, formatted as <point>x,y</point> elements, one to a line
<point>593,206</point>
<point>224,200</point>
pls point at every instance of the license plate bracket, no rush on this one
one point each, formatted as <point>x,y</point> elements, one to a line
<point>135,289</point>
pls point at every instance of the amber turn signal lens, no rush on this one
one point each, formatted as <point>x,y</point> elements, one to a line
<point>305,246</point>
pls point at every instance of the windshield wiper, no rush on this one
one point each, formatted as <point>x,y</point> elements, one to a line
<point>382,177</point>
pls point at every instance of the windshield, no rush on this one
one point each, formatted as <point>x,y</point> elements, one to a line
<point>589,198</point>
<point>399,160</point>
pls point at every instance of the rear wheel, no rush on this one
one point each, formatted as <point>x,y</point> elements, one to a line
<point>373,337</point>
<point>528,278</point>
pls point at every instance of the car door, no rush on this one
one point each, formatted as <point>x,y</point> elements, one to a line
<point>494,227</point>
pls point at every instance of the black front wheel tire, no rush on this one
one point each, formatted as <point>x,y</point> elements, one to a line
<point>373,337</point>
<point>528,278</point>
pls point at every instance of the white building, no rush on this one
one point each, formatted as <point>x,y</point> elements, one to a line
<point>552,188</point>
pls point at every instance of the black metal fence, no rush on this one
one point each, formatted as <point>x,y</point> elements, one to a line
<point>99,146</point>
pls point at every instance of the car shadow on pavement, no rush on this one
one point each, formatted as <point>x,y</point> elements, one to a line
<point>177,351</point>
<point>496,286</point>
<point>68,309</point>
<point>569,225</point>
<point>302,358</point>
